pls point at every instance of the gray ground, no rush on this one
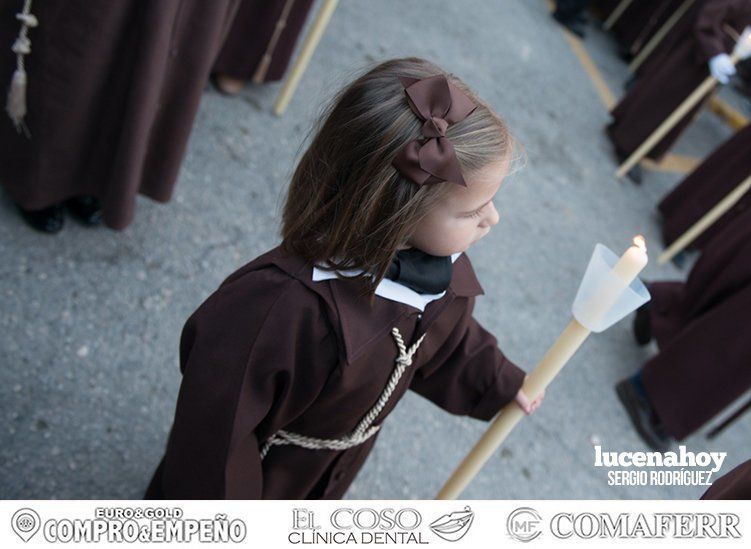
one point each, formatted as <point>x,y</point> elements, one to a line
<point>91,318</point>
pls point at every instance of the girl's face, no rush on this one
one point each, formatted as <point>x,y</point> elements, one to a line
<point>464,216</point>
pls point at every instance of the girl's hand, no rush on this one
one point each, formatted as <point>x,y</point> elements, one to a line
<point>523,401</point>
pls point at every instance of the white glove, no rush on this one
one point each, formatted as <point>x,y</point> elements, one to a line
<point>722,68</point>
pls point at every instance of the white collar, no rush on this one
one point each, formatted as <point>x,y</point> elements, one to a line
<point>387,288</point>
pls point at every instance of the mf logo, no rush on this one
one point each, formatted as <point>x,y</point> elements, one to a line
<point>523,524</point>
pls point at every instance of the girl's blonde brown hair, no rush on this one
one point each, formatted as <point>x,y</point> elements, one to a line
<point>347,206</point>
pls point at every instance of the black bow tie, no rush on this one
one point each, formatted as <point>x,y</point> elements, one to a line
<point>424,273</point>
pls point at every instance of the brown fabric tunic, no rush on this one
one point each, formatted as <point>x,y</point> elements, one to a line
<point>661,90</point>
<point>605,7</point>
<point>113,89</point>
<point>253,34</point>
<point>272,349</point>
<point>703,330</point>
<point>641,20</point>
<point>682,30</point>
<point>717,176</point>
<point>734,485</point>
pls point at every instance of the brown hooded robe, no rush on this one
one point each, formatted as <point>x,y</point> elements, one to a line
<point>272,349</point>
<point>113,88</point>
<point>254,34</point>
<point>703,330</point>
<point>717,176</point>
<point>661,90</point>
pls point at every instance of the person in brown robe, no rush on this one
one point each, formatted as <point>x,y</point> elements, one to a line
<point>639,23</point>
<point>260,43</point>
<point>733,485</point>
<point>291,367</point>
<point>113,89</point>
<point>709,183</point>
<point>275,349</point>
<point>681,30</point>
<point>661,90</point>
<point>703,331</point>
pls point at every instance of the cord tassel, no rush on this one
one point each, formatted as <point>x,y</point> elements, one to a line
<point>16,103</point>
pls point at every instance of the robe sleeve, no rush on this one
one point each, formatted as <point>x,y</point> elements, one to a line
<point>469,375</point>
<point>254,356</point>
<point>709,26</point>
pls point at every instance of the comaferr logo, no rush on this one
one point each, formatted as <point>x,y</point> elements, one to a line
<point>645,525</point>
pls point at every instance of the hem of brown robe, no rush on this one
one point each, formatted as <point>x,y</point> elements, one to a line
<point>666,322</point>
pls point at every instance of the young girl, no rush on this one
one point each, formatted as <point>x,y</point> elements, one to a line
<point>292,365</point>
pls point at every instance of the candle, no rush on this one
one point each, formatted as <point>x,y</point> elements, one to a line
<point>604,297</point>
<point>632,261</point>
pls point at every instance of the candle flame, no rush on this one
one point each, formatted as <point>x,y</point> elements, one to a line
<point>640,242</point>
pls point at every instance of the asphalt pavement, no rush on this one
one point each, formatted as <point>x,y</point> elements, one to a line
<point>91,318</point>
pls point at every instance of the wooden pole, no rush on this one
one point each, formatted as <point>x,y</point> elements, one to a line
<point>650,46</point>
<point>735,415</point>
<point>606,295</point>
<point>689,103</point>
<point>263,67</point>
<point>306,52</point>
<point>616,14</point>
<point>730,200</point>
<point>569,341</point>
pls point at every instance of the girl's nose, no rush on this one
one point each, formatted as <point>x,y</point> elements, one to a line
<point>492,217</point>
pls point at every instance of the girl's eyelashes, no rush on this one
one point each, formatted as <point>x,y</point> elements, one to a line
<point>475,213</point>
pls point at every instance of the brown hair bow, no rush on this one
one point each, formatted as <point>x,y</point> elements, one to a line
<point>432,159</point>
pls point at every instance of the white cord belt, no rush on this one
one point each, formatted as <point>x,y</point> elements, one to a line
<point>365,429</point>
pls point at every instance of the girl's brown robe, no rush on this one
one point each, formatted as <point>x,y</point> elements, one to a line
<point>272,349</point>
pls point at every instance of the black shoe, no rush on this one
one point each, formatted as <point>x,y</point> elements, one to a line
<point>634,174</point>
<point>86,209</point>
<point>643,416</point>
<point>49,220</point>
<point>574,25</point>
<point>580,18</point>
<point>625,54</point>
<point>679,259</point>
<point>643,325</point>
<point>630,83</point>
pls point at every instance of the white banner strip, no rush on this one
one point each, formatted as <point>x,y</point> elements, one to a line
<point>282,523</point>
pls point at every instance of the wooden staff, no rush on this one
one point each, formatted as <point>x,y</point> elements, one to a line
<point>670,122</point>
<point>724,425</point>
<point>259,75</point>
<point>301,63</point>
<point>730,200</point>
<point>572,337</point>
<point>650,46</point>
<point>569,341</point>
<point>742,50</point>
<point>616,14</point>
